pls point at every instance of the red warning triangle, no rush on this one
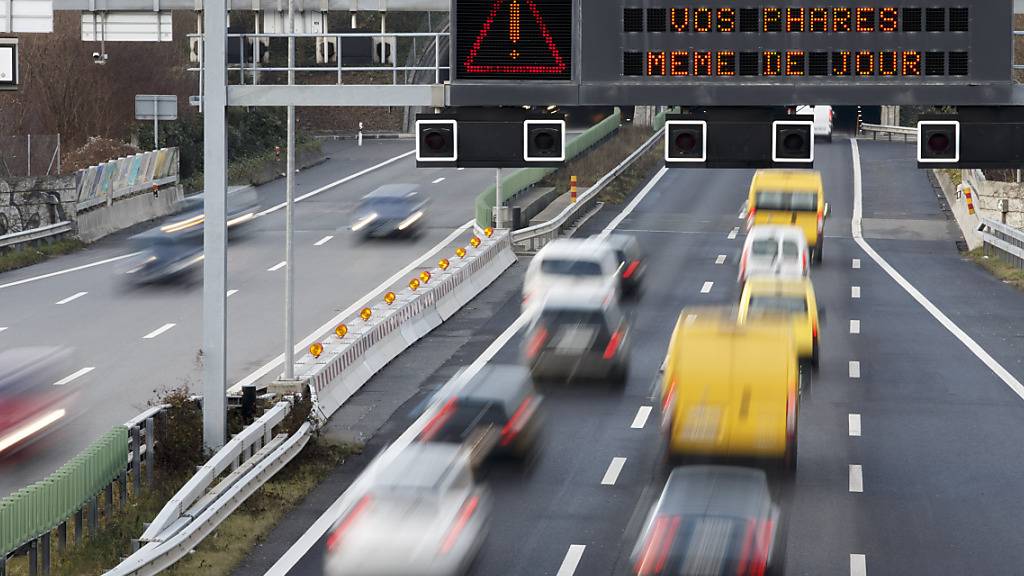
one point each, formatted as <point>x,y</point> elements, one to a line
<point>557,64</point>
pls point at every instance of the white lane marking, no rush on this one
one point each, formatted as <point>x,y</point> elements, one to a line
<point>75,296</point>
<point>948,324</point>
<point>641,417</point>
<point>854,326</point>
<point>858,565</point>
<point>348,178</point>
<point>2,328</point>
<point>854,424</point>
<point>159,331</point>
<point>59,272</point>
<point>232,293</point>
<point>633,204</point>
<point>323,240</point>
<point>856,478</point>
<point>856,263</point>
<point>854,291</point>
<point>613,471</point>
<point>460,169</point>
<point>277,266</point>
<point>329,326</point>
<point>571,560</point>
<point>742,215</point>
<point>733,233</point>
<point>74,376</point>
<point>854,369</point>
<point>720,259</point>
<point>706,287</point>
<point>438,181</point>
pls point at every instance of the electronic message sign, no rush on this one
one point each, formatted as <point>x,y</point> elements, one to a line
<point>731,52</point>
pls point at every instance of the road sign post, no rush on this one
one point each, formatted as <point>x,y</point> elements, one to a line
<point>156,108</point>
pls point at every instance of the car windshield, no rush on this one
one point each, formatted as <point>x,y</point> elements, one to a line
<point>790,304</point>
<point>787,201</point>
<point>764,248</point>
<point>571,267</point>
<point>790,250</point>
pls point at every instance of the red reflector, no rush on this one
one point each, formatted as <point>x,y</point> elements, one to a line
<point>743,567</point>
<point>613,345</point>
<point>537,342</point>
<point>438,420</point>
<point>515,423</point>
<point>335,538</point>
<point>460,523</point>
<point>631,268</point>
<point>657,546</point>
<point>814,329</point>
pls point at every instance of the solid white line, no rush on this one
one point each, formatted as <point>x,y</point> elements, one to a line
<point>571,560</point>
<point>329,326</point>
<point>733,233</point>
<point>706,287</point>
<point>438,181</point>
<point>75,296</point>
<point>348,178</point>
<point>232,293</point>
<point>277,266</point>
<point>323,240</point>
<point>59,272</point>
<point>854,424</point>
<point>854,326</point>
<point>948,324</point>
<point>720,259</point>
<point>856,263</point>
<point>74,376</point>
<point>633,204</point>
<point>854,291</point>
<point>2,328</point>
<point>858,565</point>
<point>613,471</point>
<point>641,417</point>
<point>854,369</point>
<point>159,331</point>
<point>856,478</point>
<point>460,169</point>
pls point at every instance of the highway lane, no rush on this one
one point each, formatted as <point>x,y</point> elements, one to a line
<point>108,325</point>
<point>908,443</point>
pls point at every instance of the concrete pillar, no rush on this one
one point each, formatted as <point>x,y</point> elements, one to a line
<point>78,526</point>
<point>44,542</point>
<point>33,558</point>
<point>62,537</point>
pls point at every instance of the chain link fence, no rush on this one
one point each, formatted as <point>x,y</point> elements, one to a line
<point>30,155</point>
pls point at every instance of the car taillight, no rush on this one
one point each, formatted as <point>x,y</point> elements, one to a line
<point>438,420</point>
<point>613,345</point>
<point>759,561</point>
<point>460,524</point>
<point>631,269</point>
<point>537,342</point>
<point>743,567</point>
<point>821,220</point>
<point>750,217</point>
<point>335,538</point>
<point>814,330</point>
<point>803,261</point>
<point>657,546</point>
<point>743,265</point>
<point>516,422</point>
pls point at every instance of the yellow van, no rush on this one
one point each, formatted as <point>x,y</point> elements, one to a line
<point>791,297</point>
<point>731,390</point>
<point>790,197</point>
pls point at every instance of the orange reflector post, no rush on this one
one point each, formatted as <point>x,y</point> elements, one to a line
<point>425,276</point>
<point>460,252</point>
<point>316,349</point>
<point>442,263</point>
<point>389,298</point>
<point>414,284</point>
<point>340,330</point>
<point>474,241</point>
<point>365,314</point>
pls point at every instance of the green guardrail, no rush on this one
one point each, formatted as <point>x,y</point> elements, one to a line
<point>523,178</point>
<point>659,119</point>
<point>41,507</point>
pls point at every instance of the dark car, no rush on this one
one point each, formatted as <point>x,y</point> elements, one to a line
<point>391,210</point>
<point>712,521</point>
<point>578,335</point>
<point>631,263</point>
<point>31,406</point>
<point>496,411</point>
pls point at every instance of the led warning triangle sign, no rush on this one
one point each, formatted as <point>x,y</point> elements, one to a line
<point>514,40</point>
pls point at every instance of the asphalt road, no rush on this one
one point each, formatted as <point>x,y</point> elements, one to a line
<point>909,458</point>
<point>108,324</point>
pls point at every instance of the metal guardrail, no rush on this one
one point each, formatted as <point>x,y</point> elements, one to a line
<point>905,133</point>
<point>1003,241</point>
<point>15,238</point>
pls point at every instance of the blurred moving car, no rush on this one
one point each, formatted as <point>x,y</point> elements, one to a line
<point>30,405</point>
<point>391,210</point>
<point>497,410</point>
<point>823,116</point>
<point>792,297</point>
<point>712,521</point>
<point>422,515</point>
<point>790,197</point>
<point>731,390</point>
<point>631,262</point>
<point>774,251</point>
<point>571,265</point>
<point>578,335</point>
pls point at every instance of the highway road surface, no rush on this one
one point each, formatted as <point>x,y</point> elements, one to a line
<point>909,437</point>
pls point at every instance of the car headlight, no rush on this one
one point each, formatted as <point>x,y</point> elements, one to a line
<point>364,221</point>
<point>410,220</point>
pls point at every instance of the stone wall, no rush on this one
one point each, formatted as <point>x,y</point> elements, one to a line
<point>988,195</point>
<point>31,202</point>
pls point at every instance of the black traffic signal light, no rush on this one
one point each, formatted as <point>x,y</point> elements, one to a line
<point>543,140</point>
<point>938,141</point>
<point>437,140</point>
<point>793,141</point>
<point>686,141</point>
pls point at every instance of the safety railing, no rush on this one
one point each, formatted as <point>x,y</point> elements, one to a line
<point>25,236</point>
<point>904,133</point>
<point>1003,241</point>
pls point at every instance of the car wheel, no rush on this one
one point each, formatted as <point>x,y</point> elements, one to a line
<point>619,375</point>
<point>789,460</point>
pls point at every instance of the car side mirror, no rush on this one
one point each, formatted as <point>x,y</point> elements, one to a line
<point>828,209</point>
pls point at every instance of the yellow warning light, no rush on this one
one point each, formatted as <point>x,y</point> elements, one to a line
<point>460,252</point>
<point>340,330</point>
<point>414,284</point>
<point>316,349</point>
<point>424,276</point>
<point>442,263</point>
<point>365,314</point>
<point>474,241</point>
<point>488,231</point>
<point>389,298</point>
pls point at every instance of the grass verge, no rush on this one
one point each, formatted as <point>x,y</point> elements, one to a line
<point>21,257</point>
<point>999,268</point>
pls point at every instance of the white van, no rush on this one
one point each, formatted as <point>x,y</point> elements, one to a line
<point>822,120</point>
<point>774,251</point>
<point>571,265</point>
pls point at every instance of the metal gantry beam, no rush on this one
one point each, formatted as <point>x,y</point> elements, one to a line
<point>300,5</point>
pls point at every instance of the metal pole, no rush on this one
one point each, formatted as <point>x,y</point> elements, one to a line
<point>156,126</point>
<point>289,270</point>
<point>28,164</point>
<point>58,155</point>
<point>215,229</point>
<point>497,198</point>
<point>150,456</point>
